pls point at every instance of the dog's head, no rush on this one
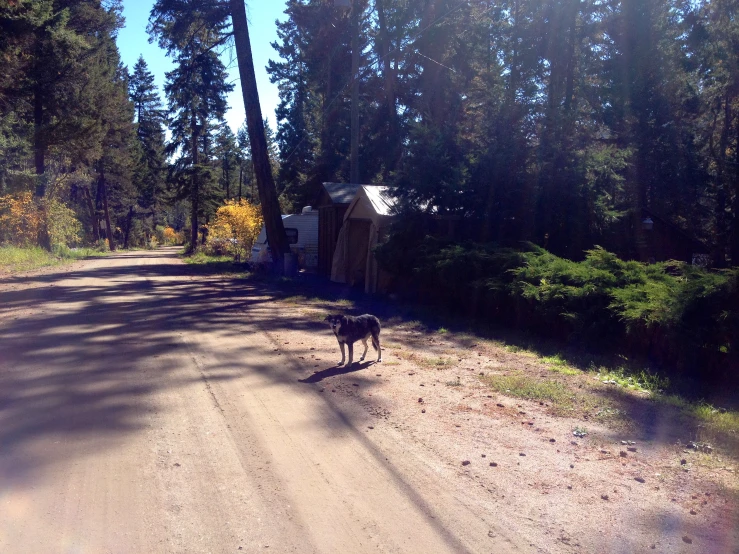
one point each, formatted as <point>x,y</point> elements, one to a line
<point>334,321</point>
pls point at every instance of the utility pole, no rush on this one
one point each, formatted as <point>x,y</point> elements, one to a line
<point>354,159</point>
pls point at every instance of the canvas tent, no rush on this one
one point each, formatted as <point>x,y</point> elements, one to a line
<point>366,218</point>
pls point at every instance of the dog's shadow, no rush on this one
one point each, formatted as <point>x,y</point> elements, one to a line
<point>336,370</point>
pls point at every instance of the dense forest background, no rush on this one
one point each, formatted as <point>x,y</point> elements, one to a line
<point>541,129</point>
<point>87,146</point>
<point>542,120</point>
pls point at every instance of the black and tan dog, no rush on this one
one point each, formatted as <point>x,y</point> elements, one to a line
<point>349,330</point>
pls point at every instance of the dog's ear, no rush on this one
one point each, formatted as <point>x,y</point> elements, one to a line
<point>329,318</point>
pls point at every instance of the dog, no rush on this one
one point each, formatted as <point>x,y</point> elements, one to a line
<point>349,330</point>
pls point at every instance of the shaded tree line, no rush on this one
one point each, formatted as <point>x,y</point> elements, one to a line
<point>78,128</point>
<point>539,120</point>
<point>66,121</point>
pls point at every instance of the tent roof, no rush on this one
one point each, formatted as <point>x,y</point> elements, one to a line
<point>341,193</point>
<point>379,197</point>
<point>373,203</point>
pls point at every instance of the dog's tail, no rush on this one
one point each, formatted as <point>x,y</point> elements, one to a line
<point>375,330</point>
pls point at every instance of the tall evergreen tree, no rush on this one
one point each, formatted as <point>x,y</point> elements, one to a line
<point>150,121</point>
<point>196,90</point>
<point>226,156</point>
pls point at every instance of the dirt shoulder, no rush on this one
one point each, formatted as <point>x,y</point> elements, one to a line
<point>573,461</point>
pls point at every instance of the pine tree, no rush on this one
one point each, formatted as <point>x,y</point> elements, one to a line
<point>111,114</point>
<point>196,90</point>
<point>226,157</point>
<point>150,120</point>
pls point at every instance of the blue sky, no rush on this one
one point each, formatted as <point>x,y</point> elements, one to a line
<point>133,41</point>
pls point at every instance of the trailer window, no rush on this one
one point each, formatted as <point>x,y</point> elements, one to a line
<point>292,235</point>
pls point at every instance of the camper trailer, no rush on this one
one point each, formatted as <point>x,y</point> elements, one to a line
<point>302,234</point>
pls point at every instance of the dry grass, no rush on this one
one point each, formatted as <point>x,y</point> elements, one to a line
<point>13,259</point>
<point>437,363</point>
<point>559,398</point>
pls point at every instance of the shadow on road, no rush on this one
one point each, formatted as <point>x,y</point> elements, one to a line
<point>319,376</point>
<point>83,354</point>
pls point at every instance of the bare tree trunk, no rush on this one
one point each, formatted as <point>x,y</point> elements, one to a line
<point>514,73</point>
<point>734,245</point>
<point>228,180</point>
<point>241,179</point>
<point>129,222</point>
<point>255,124</point>
<point>194,192</point>
<point>571,61</point>
<point>354,146</point>
<point>39,147</point>
<point>93,214</point>
<point>108,227</point>
<point>387,69</point>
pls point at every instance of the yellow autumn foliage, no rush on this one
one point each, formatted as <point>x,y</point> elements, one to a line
<point>172,237</point>
<point>235,229</point>
<point>22,218</point>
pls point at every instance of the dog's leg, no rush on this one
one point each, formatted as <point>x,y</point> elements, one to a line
<point>351,354</point>
<point>343,357</point>
<point>364,340</point>
<point>376,344</point>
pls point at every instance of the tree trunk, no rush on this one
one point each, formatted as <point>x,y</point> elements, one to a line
<point>241,179</point>
<point>194,191</point>
<point>354,146</point>
<point>255,124</point>
<point>228,181</point>
<point>735,221</point>
<point>39,147</point>
<point>38,141</point>
<point>108,227</point>
<point>129,221</point>
<point>386,66</point>
<point>571,60</point>
<point>93,214</point>
<point>432,49</point>
<point>721,224</point>
<point>389,77</point>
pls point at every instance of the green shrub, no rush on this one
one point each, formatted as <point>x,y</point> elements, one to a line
<point>601,297</point>
<point>679,315</point>
<point>470,277</point>
<point>563,292</point>
<point>62,224</point>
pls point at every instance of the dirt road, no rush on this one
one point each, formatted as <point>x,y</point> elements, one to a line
<point>146,409</point>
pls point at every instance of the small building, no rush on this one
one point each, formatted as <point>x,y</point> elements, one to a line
<point>365,223</point>
<point>302,234</point>
<point>332,203</point>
